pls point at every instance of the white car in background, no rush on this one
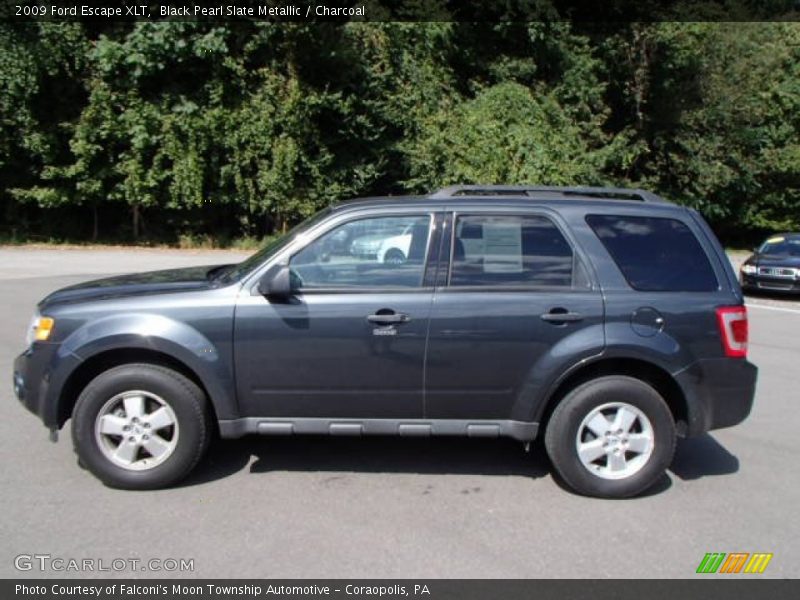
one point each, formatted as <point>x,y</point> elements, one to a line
<point>394,250</point>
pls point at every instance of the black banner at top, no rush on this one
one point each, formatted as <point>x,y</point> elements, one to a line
<point>595,11</point>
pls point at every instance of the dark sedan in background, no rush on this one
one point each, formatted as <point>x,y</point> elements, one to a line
<point>774,266</point>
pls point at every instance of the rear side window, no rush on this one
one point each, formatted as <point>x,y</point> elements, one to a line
<point>512,250</point>
<point>655,254</point>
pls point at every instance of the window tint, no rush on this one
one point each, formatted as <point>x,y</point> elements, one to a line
<point>510,251</point>
<point>655,254</point>
<point>367,253</point>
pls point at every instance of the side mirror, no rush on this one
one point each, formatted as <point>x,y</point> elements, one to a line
<point>276,284</point>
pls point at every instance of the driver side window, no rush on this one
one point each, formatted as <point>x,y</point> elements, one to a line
<point>375,252</point>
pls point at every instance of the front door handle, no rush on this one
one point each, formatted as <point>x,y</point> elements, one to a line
<point>561,315</point>
<point>388,318</point>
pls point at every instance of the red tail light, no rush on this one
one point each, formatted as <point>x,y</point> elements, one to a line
<point>733,330</point>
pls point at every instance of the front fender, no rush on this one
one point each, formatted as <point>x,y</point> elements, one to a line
<point>157,333</point>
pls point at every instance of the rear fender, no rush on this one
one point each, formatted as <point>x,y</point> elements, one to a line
<point>661,351</point>
<point>569,353</point>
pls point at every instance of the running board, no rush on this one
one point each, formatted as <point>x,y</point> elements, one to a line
<point>518,430</point>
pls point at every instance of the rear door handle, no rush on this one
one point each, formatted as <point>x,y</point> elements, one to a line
<point>388,319</point>
<point>561,316</point>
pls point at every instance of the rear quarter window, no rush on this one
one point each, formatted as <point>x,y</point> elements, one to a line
<point>655,254</point>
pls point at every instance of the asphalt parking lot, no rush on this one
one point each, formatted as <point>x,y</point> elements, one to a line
<point>309,507</point>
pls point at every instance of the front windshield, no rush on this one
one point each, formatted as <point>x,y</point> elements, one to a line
<point>248,264</point>
<point>781,245</point>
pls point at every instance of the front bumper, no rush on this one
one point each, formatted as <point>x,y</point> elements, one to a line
<point>31,380</point>
<point>719,393</point>
<point>770,284</point>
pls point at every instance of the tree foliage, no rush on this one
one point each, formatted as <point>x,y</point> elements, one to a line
<point>157,129</point>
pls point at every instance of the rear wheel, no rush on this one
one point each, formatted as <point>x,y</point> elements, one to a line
<point>394,256</point>
<point>140,426</point>
<point>612,437</point>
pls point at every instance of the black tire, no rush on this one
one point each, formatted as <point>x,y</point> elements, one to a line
<point>562,431</point>
<point>183,396</point>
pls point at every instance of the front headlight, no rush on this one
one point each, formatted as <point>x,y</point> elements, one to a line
<point>749,269</point>
<point>39,329</point>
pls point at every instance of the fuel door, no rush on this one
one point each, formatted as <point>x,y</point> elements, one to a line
<point>646,321</point>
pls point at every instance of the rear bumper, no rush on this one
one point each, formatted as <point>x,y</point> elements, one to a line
<point>719,393</point>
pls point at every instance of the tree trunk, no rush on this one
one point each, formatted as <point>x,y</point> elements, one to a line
<point>95,222</point>
<point>280,223</point>
<point>640,57</point>
<point>135,221</point>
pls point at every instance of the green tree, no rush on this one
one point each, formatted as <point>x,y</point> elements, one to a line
<point>158,129</point>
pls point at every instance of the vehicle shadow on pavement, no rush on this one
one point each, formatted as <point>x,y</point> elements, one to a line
<point>694,458</point>
<point>371,455</point>
<point>702,457</point>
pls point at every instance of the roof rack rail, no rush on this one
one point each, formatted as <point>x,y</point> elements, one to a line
<point>610,193</point>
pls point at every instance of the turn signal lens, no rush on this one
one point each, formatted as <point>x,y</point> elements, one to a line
<point>42,328</point>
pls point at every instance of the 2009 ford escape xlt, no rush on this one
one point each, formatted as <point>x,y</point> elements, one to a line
<point>608,319</point>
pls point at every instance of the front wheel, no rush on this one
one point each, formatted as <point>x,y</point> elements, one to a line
<point>140,426</point>
<point>612,437</point>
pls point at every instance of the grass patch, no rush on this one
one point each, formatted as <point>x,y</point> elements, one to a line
<point>184,242</point>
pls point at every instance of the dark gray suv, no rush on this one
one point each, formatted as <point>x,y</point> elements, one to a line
<point>609,320</point>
